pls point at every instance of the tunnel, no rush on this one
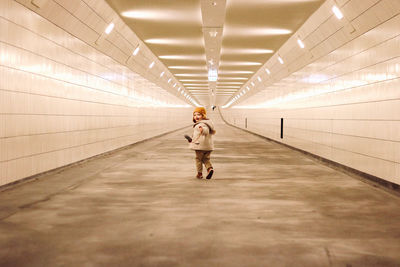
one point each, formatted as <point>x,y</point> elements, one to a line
<point>200,133</point>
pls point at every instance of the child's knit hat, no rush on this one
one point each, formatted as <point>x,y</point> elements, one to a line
<point>200,110</point>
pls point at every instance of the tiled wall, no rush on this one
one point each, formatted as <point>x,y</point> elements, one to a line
<point>62,100</point>
<point>344,105</point>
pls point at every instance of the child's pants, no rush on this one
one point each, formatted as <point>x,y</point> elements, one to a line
<point>202,157</point>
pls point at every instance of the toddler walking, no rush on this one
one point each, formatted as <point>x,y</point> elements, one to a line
<point>202,142</point>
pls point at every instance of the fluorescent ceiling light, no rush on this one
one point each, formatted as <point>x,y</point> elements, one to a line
<point>183,57</point>
<point>259,78</point>
<point>169,80</point>
<point>163,14</point>
<point>192,80</point>
<point>246,51</point>
<point>109,28</point>
<point>276,2</point>
<point>195,84</point>
<point>171,41</point>
<point>267,71</point>
<point>162,74</point>
<point>248,31</point>
<point>280,60</point>
<point>337,12</point>
<point>230,82</point>
<point>136,51</point>
<point>301,44</point>
<point>232,78</point>
<point>212,75</point>
<point>239,63</point>
<point>191,74</point>
<point>151,65</point>
<point>187,67</point>
<point>174,85</point>
<point>252,83</point>
<point>236,72</point>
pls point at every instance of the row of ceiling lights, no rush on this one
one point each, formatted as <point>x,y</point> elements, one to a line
<point>337,13</point>
<point>109,29</point>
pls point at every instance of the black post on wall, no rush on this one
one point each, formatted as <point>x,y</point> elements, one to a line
<point>281,128</point>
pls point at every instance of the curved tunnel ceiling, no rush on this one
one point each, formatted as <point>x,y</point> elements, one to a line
<point>236,37</point>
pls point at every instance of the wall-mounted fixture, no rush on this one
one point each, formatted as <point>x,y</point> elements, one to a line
<point>212,75</point>
<point>109,28</point>
<point>337,12</point>
<point>300,42</point>
<point>136,51</point>
<point>280,60</point>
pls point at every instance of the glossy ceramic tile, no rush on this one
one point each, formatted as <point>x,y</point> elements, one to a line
<point>63,101</point>
<point>345,103</point>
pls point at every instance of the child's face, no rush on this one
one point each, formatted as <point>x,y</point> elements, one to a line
<point>197,116</point>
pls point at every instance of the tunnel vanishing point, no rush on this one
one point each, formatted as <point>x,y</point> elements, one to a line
<point>97,95</point>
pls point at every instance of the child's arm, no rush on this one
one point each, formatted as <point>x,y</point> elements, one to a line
<point>204,130</point>
<point>196,134</point>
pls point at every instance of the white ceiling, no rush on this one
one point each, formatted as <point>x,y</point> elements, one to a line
<point>236,37</point>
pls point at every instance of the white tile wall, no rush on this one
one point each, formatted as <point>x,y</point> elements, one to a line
<point>86,20</point>
<point>62,100</point>
<point>344,104</point>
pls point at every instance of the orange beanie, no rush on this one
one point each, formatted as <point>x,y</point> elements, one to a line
<point>200,110</point>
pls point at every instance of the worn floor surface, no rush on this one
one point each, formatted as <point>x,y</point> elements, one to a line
<point>266,206</point>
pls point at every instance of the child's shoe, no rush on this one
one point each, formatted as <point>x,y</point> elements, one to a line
<point>210,173</point>
<point>199,175</point>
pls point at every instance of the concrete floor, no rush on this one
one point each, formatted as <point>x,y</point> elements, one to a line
<point>266,206</point>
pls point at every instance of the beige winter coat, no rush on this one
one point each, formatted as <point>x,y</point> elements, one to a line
<point>204,140</point>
